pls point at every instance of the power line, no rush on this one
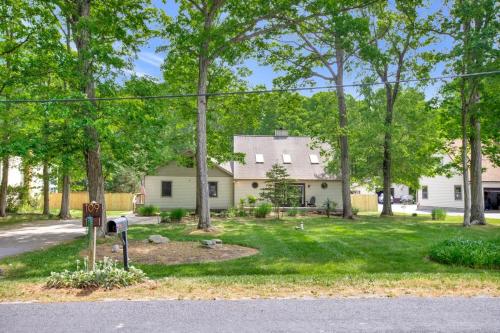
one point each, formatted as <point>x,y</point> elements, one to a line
<point>247,92</point>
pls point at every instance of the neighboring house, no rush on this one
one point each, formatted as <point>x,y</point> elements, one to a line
<point>16,176</point>
<point>447,192</point>
<point>397,191</point>
<point>173,186</point>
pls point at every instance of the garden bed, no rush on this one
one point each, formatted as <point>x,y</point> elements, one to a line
<point>174,253</point>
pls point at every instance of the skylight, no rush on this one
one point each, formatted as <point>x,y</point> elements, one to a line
<point>259,158</point>
<point>287,159</point>
<point>314,159</point>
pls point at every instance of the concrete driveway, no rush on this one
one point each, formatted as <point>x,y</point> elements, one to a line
<point>37,235</point>
<point>409,209</point>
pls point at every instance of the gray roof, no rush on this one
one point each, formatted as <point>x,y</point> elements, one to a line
<point>273,148</point>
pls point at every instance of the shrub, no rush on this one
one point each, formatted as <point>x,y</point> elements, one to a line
<point>251,200</point>
<point>464,252</point>
<point>329,206</point>
<point>438,214</point>
<point>165,217</point>
<point>177,214</point>
<point>231,212</point>
<point>148,210</point>
<point>263,210</point>
<point>355,211</point>
<point>13,198</point>
<point>106,275</point>
<point>293,211</point>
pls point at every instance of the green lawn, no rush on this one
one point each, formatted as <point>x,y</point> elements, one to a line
<point>371,255</point>
<point>327,247</point>
<point>12,219</point>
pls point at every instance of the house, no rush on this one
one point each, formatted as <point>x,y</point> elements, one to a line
<point>447,192</point>
<point>16,178</point>
<point>174,186</point>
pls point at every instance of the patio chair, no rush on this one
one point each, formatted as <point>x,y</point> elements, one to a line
<point>312,202</point>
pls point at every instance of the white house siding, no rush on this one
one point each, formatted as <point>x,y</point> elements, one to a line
<point>243,188</point>
<point>441,192</point>
<point>400,190</point>
<point>184,192</point>
<point>491,184</point>
<point>184,188</point>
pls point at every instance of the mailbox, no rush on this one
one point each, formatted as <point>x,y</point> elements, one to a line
<point>117,225</point>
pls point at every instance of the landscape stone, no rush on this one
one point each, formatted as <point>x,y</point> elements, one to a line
<point>158,239</point>
<point>115,248</point>
<point>217,241</point>
<point>208,243</point>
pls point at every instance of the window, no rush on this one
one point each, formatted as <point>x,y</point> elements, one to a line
<point>166,189</point>
<point>212,189</point>
<point>287,159</point>
<point>458,192</point>
<point>425,192</point>
<point>255,185</point>
<point>314,159</point>
<point>259,158</point>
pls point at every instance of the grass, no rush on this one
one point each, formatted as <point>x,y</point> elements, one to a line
<point>13,219</point>
<point>371,254</point>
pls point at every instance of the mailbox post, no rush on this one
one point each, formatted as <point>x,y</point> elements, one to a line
<point>120,226</point>
<point>92,218</point>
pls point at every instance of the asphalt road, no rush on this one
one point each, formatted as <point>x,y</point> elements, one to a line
<point>333,315</point>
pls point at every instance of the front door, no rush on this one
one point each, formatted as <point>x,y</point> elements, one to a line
<point>301,189</point>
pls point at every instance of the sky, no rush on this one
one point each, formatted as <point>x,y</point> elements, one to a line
<point>148,61</point>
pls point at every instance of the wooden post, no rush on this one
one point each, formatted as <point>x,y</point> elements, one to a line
<point>93,248</point>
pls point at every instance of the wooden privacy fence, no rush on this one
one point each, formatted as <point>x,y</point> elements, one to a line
<point>114,201</point>
<point>365,202</point>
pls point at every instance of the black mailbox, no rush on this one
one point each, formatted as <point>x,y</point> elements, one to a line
<point>117,225</point>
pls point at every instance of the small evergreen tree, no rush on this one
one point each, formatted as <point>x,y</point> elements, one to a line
<point>279,189</point>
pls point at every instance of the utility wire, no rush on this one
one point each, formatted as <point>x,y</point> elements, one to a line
<point>247,92</point>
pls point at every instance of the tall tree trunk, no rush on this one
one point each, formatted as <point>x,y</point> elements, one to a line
<point>465,166</point>
<point>3,186</point>
<point>92,150</point>
<point>27,171</point>
<point>387,162</point>
<point>343,138</point>
<point>64,212</point>
<point>477,194</point>
<point>201,143</point>
<point>45,176</point>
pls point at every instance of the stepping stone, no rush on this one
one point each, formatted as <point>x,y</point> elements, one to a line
<point>158,239</point>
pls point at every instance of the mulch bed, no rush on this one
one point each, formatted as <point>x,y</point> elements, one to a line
<point>173,253</point>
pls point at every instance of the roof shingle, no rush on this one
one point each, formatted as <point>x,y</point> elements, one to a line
<point>273,148</point>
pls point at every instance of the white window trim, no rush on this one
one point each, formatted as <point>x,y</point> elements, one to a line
<point>313,158</point>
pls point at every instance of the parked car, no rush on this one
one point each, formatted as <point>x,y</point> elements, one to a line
<point>381,198</point>
<point>407,199</point>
